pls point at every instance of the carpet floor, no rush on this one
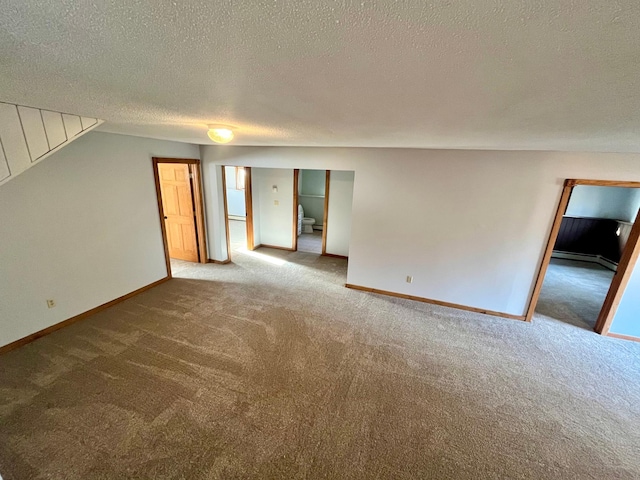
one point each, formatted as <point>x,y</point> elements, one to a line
<point>270,368</point>
<point>574,292</point>
<point>310,242</point>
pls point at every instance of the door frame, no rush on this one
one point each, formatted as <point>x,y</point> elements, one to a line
<point>296,180</point>
<point>196,190</point>
<point>226,211</point>
<point>325,215</point>
<point>248,205</point>
<point>625,266</point>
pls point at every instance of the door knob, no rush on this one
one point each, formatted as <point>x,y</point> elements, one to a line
<point>165,217</point>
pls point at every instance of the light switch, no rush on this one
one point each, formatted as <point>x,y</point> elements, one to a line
<point>276,203</point>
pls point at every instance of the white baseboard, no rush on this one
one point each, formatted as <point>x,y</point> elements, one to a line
<point>584,257</point>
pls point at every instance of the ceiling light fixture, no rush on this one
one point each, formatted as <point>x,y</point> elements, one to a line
<point>220,133</point>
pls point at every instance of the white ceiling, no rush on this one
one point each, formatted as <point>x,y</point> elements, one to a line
<point>502,74</point>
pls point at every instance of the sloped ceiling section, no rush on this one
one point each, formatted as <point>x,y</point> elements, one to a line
<point>29,135</point>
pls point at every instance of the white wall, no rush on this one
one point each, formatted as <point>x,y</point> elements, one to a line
<point>235,198</point>
<point>633,205</point>
<point>470,226</point>
<point>30,135</point>
<point>604,202</point>
<point>274,224</point>
<point>627,317</point>
<point>82,227</point>
<point>213,192</point>
<point>312,182</point>
<point>339,217</point>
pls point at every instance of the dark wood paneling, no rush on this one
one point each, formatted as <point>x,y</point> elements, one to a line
<point>593,236</point>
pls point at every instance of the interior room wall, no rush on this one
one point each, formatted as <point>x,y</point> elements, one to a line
<point>312,182</point>
<point>81,228</point>
<point>275,222</point>
<point>627,317</point>
<point>213,193</point>
<point>470,226</point>
<point>339,215</point>
<point>633,205</point>
<point>604,202</point>
<point>235,197</point>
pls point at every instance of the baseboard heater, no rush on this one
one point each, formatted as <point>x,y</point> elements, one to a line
<point>586,257</point>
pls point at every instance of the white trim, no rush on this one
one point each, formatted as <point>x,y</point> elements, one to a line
<point>585,257</point>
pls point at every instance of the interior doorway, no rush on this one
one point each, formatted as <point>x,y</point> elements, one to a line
<point>311,198</point>
<point>273,210</point>
<point>590,253</point>
<point>181,209</point>
<point>234,180</point>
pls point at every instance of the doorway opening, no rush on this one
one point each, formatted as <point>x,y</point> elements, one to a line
<point>234,180</point>
<point>181,209</point>
<point>311,193</point>
<point>274,211</point>
<point>589,254</point>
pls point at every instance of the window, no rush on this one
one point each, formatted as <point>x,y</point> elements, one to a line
<point>239,178</point>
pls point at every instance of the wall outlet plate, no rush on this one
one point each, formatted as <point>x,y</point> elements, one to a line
<point>51,303</point>
<point>409,279</point>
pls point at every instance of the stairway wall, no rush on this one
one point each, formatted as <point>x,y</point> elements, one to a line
<point>29,135</point>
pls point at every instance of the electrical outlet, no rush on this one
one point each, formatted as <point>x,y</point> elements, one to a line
<point>409,279</point>
<point>51,303</point>
<point>276,203</point>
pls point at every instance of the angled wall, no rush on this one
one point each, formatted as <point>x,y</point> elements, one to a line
<point>29,135</point>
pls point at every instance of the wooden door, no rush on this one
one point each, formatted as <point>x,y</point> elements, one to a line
<point>178,207</point>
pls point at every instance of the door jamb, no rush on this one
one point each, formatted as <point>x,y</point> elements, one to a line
<point>296,180</point>
<point>248,201</point>
<point>226,211</point>
<point>629,255</point>
<point>194,169</point>
<point>325,215</point>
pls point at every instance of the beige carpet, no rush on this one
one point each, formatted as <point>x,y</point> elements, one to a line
<point>310,242</point>
<point>574,292</point>
<point>270,368</point>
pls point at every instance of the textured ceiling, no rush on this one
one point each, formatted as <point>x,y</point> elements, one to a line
<point>537,74</point>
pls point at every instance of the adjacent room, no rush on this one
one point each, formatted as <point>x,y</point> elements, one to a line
<point>311,210</point>
<point>319,240</point>
<point>591,240</point>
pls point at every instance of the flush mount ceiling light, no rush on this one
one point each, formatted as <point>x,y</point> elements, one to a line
<point>220,133</point>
